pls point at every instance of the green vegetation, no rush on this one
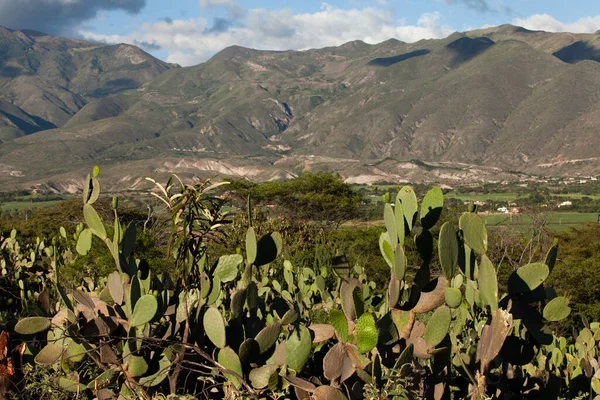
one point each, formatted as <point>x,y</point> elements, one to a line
<point>449,319</point>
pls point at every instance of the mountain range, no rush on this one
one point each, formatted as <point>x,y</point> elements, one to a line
<point>487,104</point>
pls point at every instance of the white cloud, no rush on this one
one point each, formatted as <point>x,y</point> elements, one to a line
<point>545,22</point>
<point>192,41</point>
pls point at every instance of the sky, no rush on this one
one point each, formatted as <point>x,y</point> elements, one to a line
<point>189,32</point>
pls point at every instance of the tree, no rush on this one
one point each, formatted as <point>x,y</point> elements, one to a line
<point>319,197</point>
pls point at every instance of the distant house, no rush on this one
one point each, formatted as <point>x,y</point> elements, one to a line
<point>565,203</point>
<point>503,210</point>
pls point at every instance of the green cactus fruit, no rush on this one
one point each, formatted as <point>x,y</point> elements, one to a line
<point>227,267</point>
<point>32,325</point>
<point>438,326</point>
<point>71,385</point>
<point>214,326</point>
<point>298,348</point>
<point>228,359</point>
<point>387,251</point>
<point>527,278</point>
<point>137,366</point>
<point>431,207</point>
<point>96,171</point>
<point>488,283</point>
<point>474,232</point>
<point>410,206</point>
<point>399,267</point>
<point>249,351</point>
<point>453,297</point>
<point>399,219</point>
<point>390,223</point>
<point>367,334</point>
<point>93,221</point>
<point>557,309</point>
<point>338,319</point>
<point>259,377</point>
<point>84,242</point>
<point>448,250</point>
<point>49,354</point>
<point>551,256</point>
<point>162,371</point>
<point>267,337</point>
<point>251,245</point>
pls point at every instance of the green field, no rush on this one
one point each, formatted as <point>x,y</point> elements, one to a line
<point>27,205</point>
<point>482,197</point>
<point>555,221</point>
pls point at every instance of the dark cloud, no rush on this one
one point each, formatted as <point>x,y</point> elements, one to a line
<point>220,25</point>
<point>59,16</point>
<point>150,46</point>
<point>168,20</point>
<point>478,5</point>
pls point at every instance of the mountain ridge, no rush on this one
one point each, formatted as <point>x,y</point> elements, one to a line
<point>468,106</point>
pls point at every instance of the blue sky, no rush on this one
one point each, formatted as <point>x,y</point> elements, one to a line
<point>190,31</point>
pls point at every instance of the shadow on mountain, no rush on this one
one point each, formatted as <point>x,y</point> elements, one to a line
<point>115,86</point>
<point>387,61</point>
<point>27,127</point>
<point>578,51</point>
<point>466,48</point>
<point>12,72</point>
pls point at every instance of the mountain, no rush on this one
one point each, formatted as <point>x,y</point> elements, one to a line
<point>52,78</point>
<point>466,107</point>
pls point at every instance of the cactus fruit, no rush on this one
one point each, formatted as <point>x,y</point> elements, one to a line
<point>367,334</point>
<point>453,297</point>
